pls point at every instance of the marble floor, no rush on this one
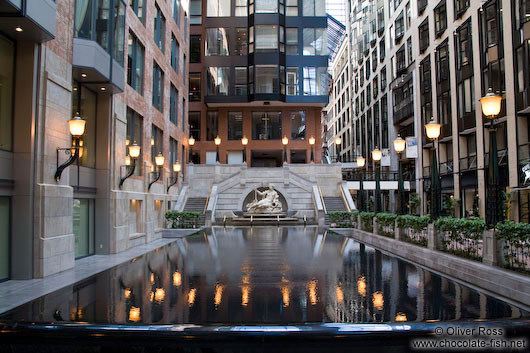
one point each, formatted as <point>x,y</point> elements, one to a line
<point>17,292</point>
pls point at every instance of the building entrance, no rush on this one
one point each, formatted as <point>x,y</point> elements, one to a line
<point>266,159</point>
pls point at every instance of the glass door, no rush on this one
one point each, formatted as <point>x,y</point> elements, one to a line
<point>83,227</point>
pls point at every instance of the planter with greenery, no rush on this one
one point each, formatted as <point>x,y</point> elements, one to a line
<point>387,222</point>
<point>343,219</point>
<point>516,238</point>
<point>367,221</point>
<point>414,228</point>
<point>461,236</point>
<point>178,219</point>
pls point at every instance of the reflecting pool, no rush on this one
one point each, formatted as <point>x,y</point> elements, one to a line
<point>265,275</point>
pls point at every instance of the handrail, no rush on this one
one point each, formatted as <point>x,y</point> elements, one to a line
<point>207,200</point>
<point>322,199</point>
<point>344,198</point>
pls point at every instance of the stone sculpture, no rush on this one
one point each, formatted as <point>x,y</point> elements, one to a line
<point>269,202</point>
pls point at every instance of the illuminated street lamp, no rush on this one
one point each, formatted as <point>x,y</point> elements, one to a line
<point>177,167</point>
<point>217,142</point>
<point>491,107</point>
<point>433,130</point>
<point>312,144</point>
<point>244,142</point>
<point>338,142</point>
<point>376,156</point>
<point>130,161</point>
<point>361,161</point>
<point>399,147</point>
<point>77,129</point>
<point>191,142</point>
<point>285,141</point>
<point>157,172</point>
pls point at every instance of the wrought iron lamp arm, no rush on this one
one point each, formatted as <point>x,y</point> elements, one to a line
<point>73,158</point>
<point>176,177</point>
<point>156,179</point>
<point>132,168</point>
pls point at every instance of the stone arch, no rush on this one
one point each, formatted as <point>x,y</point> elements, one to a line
<point>247,195</point>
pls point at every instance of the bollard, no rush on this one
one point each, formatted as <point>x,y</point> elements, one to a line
<point>398,232</point>
<point>375,226</point>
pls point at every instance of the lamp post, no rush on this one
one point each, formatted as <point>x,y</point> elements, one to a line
<point>159,161</point>
<point>285,141</point>
<point>376,156</point>
<point>432,130</point>
<point>312,144</point>
<point>217,142</point>
<point>77,129</point>
<point>338,142</point>
<point>191,142</point>
<point>491,107</point>
<point>399,147</point>
<point>244,142</point>
<point>177,167</point>
<point>130,161</point>
<point>361,161</point>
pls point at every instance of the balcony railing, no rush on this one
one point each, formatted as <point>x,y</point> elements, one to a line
<point>403,110</point>
<point>468,163</point>
<point>384,176</point>
<point>446,168</point>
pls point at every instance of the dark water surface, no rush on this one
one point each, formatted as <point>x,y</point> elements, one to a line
<point>267,276</point>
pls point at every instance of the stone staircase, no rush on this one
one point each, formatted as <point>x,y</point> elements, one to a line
<point>333,204</point>
<point>196,204</point>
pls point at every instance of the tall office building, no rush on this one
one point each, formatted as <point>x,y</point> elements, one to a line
<point>258,70</point>
<point>337,9</point>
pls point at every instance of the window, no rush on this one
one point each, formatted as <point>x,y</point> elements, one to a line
<point>218,8</point>
<point>212,125</point>
<point>174,105</point>
<point>315,81</point>
<point>422,5</point>
<point>383,78</point>
<point>135,126</point>
<point>266,6</point>
<point>444,109</point>
<point>466,97</point>
<point>440,19</point>
<point>195,125</point>
<point>241,81</point>
<point>442,62</point>
<point>235,125</point>
<point>425,89</point>
<point>291,40</point>
<point>463,43</point>
<point>423,30</point>
<point>160,29</point>
<point>195,86</point>
<point>298,125</point>
<point>409,51</point>
<point>400,27</point>
<point>381,19</point>
<point>135,64</point>
<point>7,69</point>
<point>382,51</point>
<point>408,14</point>
<point>156,142</point>
<point>84,101</point>
<point>314,7</point>
<point>184,110</point>
<point>138,7</point>
<point>241,42</point>
<point>241,8</point>
<point>218,81</point>
<point>292,8</point>
<point>266,125</point>
<point>83,227</point>
<point>266,38</point>
<point>460,7</point>
<point>158,87</point>
<point>173,152</point>
<point>196,12</point>
<point>315,41</point>
<point>176,11</point>
<point>184,69</point>
<point>5,221</point>
<point>266,79</point>
<point>292,81</point>
<point>195,48</point>
<point>175,53</point>
<point>217,41</point>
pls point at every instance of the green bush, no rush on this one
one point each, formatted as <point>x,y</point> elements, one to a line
<point>464,232</point>
<point>517,238</point>
<point>342,219</point>
<point>366,220</point>
<point>416,223</point>
<point>386,220</point>
<point>177,219</point>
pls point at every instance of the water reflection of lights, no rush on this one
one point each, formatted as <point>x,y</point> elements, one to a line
<point>191,296</point>
<point>177,279</point>
<point>245,279</point>
<point>340,294</point>
<point>160,294</point>
<point>127,293</point>
<point>245,293</point>
<point>401,317</point>
<point>218,297</point>
<point>134,314</point>
<point>377,300</point>
<point>361,286</point>
<point>286,296</point>
<point>312,288</point>
<point>152,278</point>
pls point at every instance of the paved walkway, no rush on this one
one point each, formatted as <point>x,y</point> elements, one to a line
<point>17,292</point>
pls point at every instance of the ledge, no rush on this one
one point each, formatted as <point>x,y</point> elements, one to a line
<point>514,288</point>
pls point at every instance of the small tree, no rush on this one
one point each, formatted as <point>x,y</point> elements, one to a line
<point>414,203</point>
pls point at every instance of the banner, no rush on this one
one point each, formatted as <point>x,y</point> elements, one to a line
<point>385,158</point>
<point>412,148</point>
